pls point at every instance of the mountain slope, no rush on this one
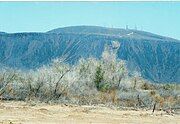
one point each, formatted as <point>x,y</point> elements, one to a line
<point>156,57</point>
<point>2,32</point>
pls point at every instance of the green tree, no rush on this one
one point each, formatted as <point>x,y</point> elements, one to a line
<point>99,76</point>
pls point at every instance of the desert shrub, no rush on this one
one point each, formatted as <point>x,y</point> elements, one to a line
<point>90,81</point>
<point>167,87</point>
<point>147,86</point>
<point>128,99</point>
<point>109,97</point>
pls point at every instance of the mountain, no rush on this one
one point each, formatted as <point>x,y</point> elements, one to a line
<point>155,56</point>
<point>2,32</point>
<point>109,32</point>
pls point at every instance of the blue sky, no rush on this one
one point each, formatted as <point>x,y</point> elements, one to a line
<point>157,17</point>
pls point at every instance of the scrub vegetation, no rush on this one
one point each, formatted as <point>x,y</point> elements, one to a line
<point>91,81</point>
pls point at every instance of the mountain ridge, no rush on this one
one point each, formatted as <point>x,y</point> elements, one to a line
<point>156,57</point>
<point>102,30</point>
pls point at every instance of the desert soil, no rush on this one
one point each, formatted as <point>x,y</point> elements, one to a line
<point>13,112</point>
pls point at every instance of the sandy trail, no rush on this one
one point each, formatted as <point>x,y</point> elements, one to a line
<point>12,112</point>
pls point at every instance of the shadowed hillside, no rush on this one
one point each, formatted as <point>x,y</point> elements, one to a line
<point>156,57</point>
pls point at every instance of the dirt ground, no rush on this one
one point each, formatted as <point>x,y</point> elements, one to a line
<point>12,112</point>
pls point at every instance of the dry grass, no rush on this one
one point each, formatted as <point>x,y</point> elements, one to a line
<point>39,113</point>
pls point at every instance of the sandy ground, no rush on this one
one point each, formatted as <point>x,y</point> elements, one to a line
<point>12,112</point>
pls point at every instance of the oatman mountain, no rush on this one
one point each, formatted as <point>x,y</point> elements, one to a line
<point>156,57</point>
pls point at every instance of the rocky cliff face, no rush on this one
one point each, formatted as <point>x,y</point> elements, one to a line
<point>156,57</point>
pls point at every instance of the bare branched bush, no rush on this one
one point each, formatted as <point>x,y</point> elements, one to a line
<point>90,81</point>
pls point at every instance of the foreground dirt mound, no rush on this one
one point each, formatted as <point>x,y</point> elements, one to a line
<point>24,113</point>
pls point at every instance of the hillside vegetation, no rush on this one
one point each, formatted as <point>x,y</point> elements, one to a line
<point>91,81</point>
